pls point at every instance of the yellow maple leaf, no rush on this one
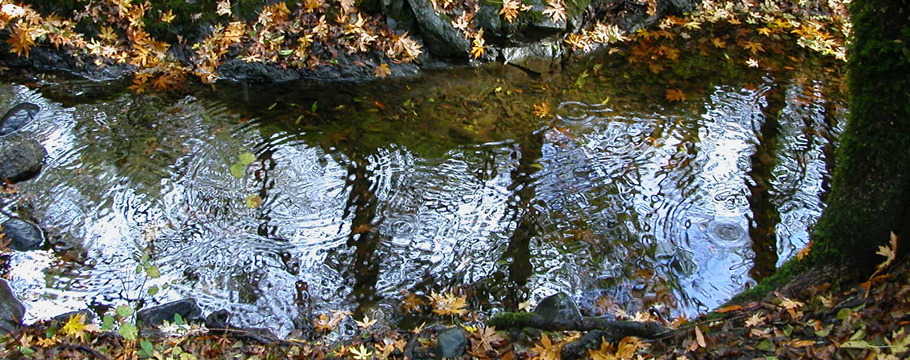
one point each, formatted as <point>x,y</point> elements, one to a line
<point>764,31</point>
<point>675,95</point>
<point>546,350</point>
<point>75,326</point>
<point>21,39</point>
<point>718,43</point>
<point>804,251</point>
<point>167,17</point>
<point>477,48</point>
<point>510,9</point>
<point>361,352</point>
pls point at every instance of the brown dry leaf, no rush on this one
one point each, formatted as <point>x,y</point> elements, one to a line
<point>485,338</point>
<point>889,253</point>
<point>449,304</point>
<point>675,95</point>
<point>753,46</point>
<point>382,71</point>
<point>700,338</point>
<point>730,308</point>
<point>411,303</point>
<point>755,320</point>
<point>556,10</point>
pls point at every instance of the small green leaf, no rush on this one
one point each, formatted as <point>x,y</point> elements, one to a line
<point>253,201</point>
<point>313,107</point>
<point>152,290</point>
<point>246,158</point>
<point>107,323</point>
<point>825,331</point>
<point>765,345</point>
<point>124,311</point>
<point>153,272</point>
<point>27,351</point>
<point>147,347</point>
<point>285,52</point>
<point>128,331</point>
<point>237,170</point>
<point>178,320</point>
<point>843,314</point>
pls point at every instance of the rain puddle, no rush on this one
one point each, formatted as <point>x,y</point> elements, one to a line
<point>505,186</point>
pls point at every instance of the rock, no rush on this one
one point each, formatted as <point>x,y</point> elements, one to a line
<point>23,235</point>
<point>11,309</point>
<point>157,315</point>
<point>440,37</point>
<point>450,343</point>
<point>21,159</point>
<point>256,72</point>
<point>87,314</point>
<point>17,117</point>
<point>558,307</point>
<point>540,58</point>
<point>220,319</point>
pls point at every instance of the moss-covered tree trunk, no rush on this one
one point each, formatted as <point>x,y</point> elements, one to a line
<point>870,196</point>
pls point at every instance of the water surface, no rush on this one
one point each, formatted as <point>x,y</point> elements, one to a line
<point>451,181</point>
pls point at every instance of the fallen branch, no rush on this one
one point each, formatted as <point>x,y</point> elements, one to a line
<point>615,328</point>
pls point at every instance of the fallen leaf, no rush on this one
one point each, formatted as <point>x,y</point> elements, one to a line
<point>675,95</point>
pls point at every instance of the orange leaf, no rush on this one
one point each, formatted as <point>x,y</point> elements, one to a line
<point>730,308</point>
<point>675,95</point>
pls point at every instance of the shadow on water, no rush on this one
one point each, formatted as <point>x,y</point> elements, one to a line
<point>490,182</point>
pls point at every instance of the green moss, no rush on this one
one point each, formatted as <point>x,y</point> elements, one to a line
<point>869,196</point>
<point>505,320</point>
<point>782,276</point>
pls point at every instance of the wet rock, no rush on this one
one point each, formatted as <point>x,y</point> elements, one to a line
<point>17,117</point>
<point>11,309</point>
<point>21,159</point>
<point>87,314</point>
<point>540,58</point>
<point>220,319</point>
<point>256,72</point>
<point>157,315</point>
<point>22,234</point>
<point>558,307</point>
<point>440,37</point>
<point>450,343</point>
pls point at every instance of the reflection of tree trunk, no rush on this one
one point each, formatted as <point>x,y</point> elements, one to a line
<point>362,203</point>
<point>266,184</point>
<point>518,252</point>
<point>765,216</point>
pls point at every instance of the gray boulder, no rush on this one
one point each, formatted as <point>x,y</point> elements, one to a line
<point>21,159</point>
<point>23,235</point>
<point>17,117</point>
<point>558,307</point>
<point>11,309</point>
<point>157,315</point>
<point>440,37</point>
<point>540,58</point>
<point>450,343</point>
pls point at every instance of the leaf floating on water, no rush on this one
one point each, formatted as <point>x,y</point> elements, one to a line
<point>237,170</point>
<point>253,201</point>
<point>246,158</point>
